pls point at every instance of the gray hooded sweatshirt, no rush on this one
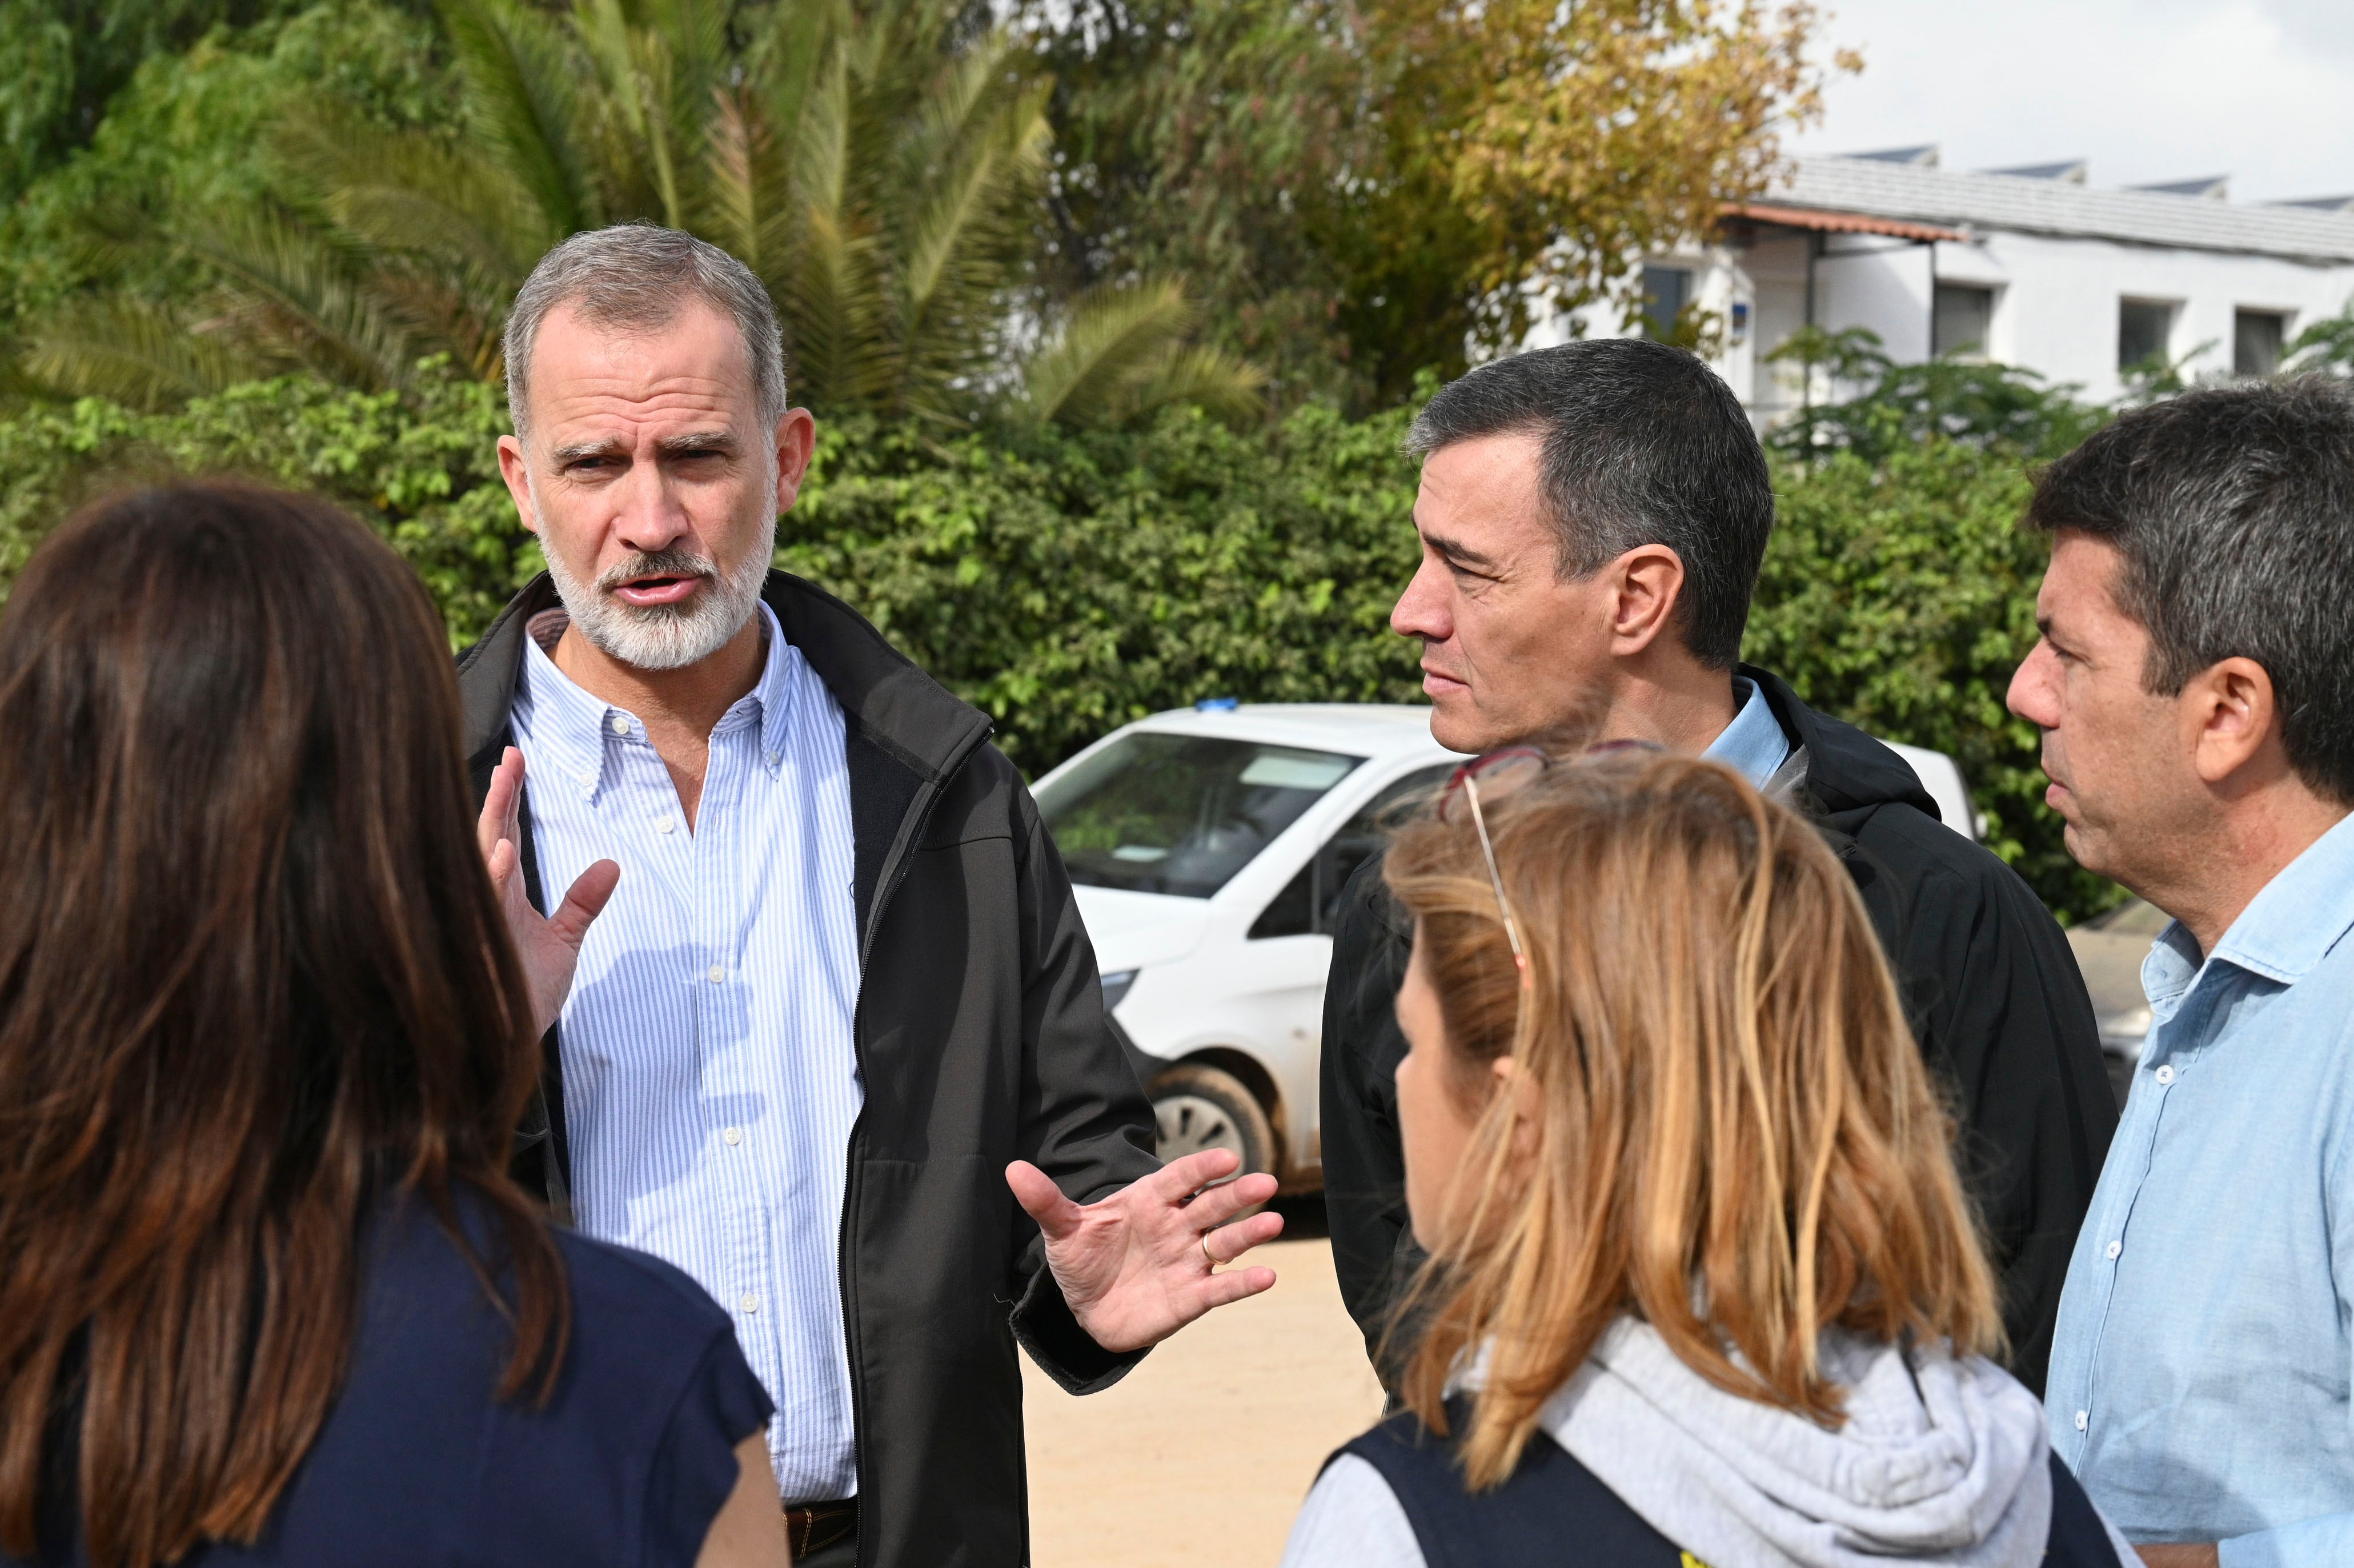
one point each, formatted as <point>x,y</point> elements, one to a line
<point>1946,1461</point>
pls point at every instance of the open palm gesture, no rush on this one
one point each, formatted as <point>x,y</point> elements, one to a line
<point>1139,1265</point>
<point>549,946</point>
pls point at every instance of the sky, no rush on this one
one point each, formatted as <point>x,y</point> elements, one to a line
<point>2262,90</point>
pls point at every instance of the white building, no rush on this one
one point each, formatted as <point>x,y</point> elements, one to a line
<point>2030,267</point>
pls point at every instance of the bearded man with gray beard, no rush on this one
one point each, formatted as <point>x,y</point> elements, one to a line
<point>836,1044</point>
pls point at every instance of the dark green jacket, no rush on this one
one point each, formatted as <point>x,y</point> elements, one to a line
<point>981,1039</point>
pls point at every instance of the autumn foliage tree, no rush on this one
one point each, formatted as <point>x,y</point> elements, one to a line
<point>1374,186</point>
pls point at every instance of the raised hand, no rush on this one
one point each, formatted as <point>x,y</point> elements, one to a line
<point>1138,1267</point>
<point>549,946</point>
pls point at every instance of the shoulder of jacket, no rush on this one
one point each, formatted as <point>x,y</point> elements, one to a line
<point>1941,871</point>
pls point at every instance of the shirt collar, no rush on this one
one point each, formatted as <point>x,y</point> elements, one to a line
<point>575,727</point>
<point>2290,925</point>
<point>1752,744</point>
<point>2300,914</point>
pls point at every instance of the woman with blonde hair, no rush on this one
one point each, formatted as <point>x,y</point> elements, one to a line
<point>1703,1288</point>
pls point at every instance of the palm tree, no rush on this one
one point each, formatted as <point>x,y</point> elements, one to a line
<point>881,174</point>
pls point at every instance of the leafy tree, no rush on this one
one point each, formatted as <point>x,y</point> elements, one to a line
<point>879,169</point>
<point>186,134</point>
<point>2326,344</point>
<point>1375,189</point>
<point>1897,406</point>
<point>68,58</point>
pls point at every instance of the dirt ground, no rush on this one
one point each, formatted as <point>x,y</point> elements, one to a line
<point>1202,1453</point>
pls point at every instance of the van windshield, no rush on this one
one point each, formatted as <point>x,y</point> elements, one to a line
<point>1180,813</point>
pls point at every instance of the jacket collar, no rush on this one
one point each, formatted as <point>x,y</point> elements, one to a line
<point>893,703</point>
<point>1847,770</point>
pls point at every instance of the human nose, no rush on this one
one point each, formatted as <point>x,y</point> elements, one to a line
<point>2033,691</point>
<point>650,515</point>
<point>1422,610</point>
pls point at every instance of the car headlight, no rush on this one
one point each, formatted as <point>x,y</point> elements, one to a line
<point>1115,987</point>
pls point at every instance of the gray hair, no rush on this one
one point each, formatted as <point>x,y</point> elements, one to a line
<point>635,276</point>
<point>1643,444</point>
<point>2234,508</point>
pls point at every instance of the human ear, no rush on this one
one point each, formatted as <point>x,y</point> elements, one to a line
<point>796,445</point>
<point>1649,579</point>
<point>1527,1099</point>
<point>514,467</point>
<point>2229,709</point>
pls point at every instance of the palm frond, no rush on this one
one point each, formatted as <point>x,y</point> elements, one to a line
<point>1105,336</point>
<point>133,352</point>
<point>414,192</point>
<point>522,97</point>
<point>301,295</point>
<point>1223,384</point>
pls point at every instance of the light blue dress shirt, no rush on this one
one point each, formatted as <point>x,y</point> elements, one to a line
<point>2200,1371</point>
<point>710,1079</point>
<point>1752,744</point>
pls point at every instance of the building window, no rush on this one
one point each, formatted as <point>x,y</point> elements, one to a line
<point>1666,291</point>
<point>2257,341</point>
<point>1961,321</point>
<point>2144,329</point>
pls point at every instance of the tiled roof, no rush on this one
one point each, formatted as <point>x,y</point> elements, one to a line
<point>2055,206</point>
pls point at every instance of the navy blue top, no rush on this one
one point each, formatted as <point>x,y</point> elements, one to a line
<point>420,1463</point>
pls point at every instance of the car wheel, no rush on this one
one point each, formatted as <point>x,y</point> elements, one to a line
<point>1198,1107</point>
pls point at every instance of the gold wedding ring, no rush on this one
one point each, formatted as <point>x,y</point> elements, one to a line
<point>1207,1256</point>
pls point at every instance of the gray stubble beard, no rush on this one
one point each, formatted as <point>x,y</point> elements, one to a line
<point>662,637</point>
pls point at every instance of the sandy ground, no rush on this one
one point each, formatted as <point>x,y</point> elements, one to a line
<point>1202,1453</point>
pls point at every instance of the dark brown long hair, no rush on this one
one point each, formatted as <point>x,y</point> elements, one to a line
<point>253,979</point>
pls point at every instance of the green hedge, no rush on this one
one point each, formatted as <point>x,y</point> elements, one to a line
<point>1066,583</point>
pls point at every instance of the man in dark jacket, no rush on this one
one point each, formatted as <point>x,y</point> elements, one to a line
<point>1592,520</point>
<point>836,1045</point>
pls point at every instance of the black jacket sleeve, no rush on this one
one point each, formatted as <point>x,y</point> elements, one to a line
<point>1085,1120</point>
<point>1994,994</point>
<point>1364,1170</point>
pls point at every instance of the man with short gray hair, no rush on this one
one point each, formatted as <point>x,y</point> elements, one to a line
<point>2195,688</point>
<point>840,1000</point>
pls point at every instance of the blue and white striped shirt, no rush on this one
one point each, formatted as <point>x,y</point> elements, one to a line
<point>710,1079</point>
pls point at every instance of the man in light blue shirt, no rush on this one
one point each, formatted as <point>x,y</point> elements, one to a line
<point>2195,687</point>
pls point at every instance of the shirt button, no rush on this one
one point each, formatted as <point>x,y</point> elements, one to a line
<point>734,1135</point>
<point>2081,1420</point>
<point>2166,1074</point>
<point>620,724</point>
<point>752,1304</point>
<point>718,973</point>
<point>2116,1247</point>
<point>663,824</point>
<point>775,757</point>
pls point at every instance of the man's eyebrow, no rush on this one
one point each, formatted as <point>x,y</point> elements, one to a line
<point>697,441</point>
<point>1459,554</point>
<point>668,446</point>
<point>572,452</point>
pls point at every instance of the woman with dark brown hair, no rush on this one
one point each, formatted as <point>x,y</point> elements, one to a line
<point>1703,1286</point>
<point>264,1040</point>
